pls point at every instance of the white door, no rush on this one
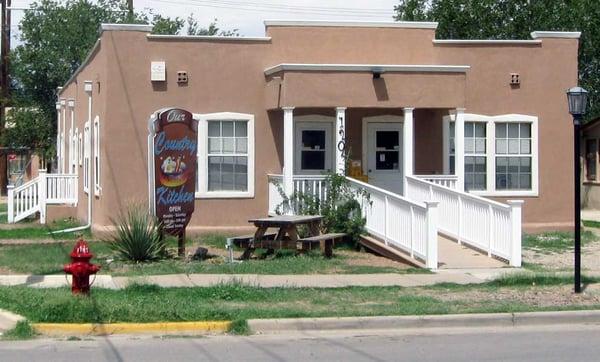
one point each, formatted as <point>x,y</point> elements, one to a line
<point>313,148</point>
<point>384,156</point>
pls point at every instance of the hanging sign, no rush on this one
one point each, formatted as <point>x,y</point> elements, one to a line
<point>175,143</point>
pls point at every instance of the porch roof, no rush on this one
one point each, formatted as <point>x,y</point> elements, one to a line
<point>353,85</point>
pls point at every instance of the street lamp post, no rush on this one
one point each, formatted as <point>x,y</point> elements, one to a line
<point>577,98</point>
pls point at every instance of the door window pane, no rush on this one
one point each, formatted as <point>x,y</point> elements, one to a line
<point>313,139</point>
<point>389,140</point>
<point>313,154</point>
<point>386,160</point>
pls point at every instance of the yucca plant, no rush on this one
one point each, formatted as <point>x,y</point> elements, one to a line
<point>138,236</point>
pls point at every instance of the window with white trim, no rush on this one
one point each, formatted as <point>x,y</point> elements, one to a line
<point>97,188</point>
<point>475,156</point>
<point>86,157</point>
<point>225,155</point>
<point>513,156</point>
<point>80,152</point>
<point>500,154</point>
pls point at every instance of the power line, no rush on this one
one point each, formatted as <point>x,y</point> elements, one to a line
<point>200,3</point>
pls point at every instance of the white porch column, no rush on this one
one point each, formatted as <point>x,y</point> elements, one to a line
<point>71,131</point>
<point>459,148</point>
<point>63,127</point>
<point>407,147</point>
<point>288,150</point>
<point>340,131</point>
<point>58,130</point>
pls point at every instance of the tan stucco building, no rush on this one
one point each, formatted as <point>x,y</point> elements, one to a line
<point>275,105</point>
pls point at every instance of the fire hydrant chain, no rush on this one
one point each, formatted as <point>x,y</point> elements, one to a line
<point>81,268</point>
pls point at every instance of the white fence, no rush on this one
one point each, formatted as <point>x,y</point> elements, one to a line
<point>442,180</point>
<point>483,223</point>
<point>34,195</point>
<point>402,223</point>
<point>314,185</point>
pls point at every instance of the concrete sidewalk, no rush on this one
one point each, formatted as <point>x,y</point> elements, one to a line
<point>458,276</point>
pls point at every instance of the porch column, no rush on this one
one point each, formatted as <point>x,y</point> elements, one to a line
<point>340,138</point>
<point>459,148</point>
<point>407,147</point>
<point>288,150</point>
<point>58,130</point>
<point>63,115</point>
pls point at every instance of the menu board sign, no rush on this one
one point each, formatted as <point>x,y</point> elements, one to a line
<point>175,144</point>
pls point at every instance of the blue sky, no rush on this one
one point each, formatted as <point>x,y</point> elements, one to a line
<point>248,15</point>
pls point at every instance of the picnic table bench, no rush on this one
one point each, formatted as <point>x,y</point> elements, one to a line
<point>286,236</point>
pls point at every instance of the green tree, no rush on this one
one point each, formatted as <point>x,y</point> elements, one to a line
<point>55,38</point>
<point>516,19</point>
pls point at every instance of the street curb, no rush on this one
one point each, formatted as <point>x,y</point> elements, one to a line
<point>102,329</point>
<point>9,320</point>
<point>275,326</point>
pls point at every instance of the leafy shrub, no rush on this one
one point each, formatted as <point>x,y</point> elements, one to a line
<point>341,209</point>
<point>138,236</point>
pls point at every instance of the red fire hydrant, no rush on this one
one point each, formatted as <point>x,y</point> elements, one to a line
<point>81,268</point>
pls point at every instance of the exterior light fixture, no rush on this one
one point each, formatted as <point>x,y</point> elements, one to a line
<point>577,98</point>
<point>377,72</point>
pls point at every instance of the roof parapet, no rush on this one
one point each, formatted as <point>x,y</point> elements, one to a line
<point>556,34</point>
<point>353,24</point>
<point>126,27</point>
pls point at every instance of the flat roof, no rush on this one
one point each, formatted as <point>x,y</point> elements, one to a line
<point>352,24</point>
<point>382,68</point>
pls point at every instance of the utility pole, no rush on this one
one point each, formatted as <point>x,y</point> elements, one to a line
<point>130,8</point>
<point>4,84</point>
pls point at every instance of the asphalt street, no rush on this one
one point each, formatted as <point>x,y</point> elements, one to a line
<point>565,343</point>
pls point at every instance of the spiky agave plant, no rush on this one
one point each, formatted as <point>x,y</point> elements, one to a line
<point>138,235</point>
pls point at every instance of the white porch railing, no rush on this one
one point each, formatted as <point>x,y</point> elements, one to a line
<point>307,184</point>
<point>442,180</point>
<point>34,195</point>
<point>61,189</point>
<point>483,223</point>
<point>402,223</point>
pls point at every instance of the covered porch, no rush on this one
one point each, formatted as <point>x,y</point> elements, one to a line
<point>378,146</point>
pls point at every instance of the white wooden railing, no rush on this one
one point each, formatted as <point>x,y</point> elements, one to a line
<point>61,189</point>
<point>480,222</point>
<point>24,200</point>
<point>402,223</point>
<point>34,195</point>
<point>314,185</point>
<point>442,180</point>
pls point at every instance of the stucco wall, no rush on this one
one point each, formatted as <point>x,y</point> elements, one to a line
<point>228,76</point>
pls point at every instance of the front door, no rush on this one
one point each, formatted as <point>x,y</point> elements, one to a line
<point>384,156</point>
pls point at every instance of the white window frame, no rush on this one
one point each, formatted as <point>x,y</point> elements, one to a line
<point>97,164</point>
<point>86,157</point>
<point>491,151</point>
<point>203,119</point>
<point>319,123</point>
<point>80,147</point>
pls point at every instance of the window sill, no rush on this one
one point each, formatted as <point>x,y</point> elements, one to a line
<point>592,183</point>
<point>506,193</point>
<point>225,195</point>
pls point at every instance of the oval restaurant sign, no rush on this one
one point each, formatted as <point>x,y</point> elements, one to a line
<point>175,143</point>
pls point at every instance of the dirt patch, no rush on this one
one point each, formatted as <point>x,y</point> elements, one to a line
<point>539,296</point>
<point>590,258</point>
<point>369,259</point>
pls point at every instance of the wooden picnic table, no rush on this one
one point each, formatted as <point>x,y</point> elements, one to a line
<point>287,234</point>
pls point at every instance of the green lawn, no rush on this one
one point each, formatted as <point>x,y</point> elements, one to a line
<point>39,231</point>
<point>49,259</point>
<point>150,303</point>
<point>555,242</point>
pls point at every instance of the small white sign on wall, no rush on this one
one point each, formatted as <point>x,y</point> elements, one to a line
<point>158,72</point>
